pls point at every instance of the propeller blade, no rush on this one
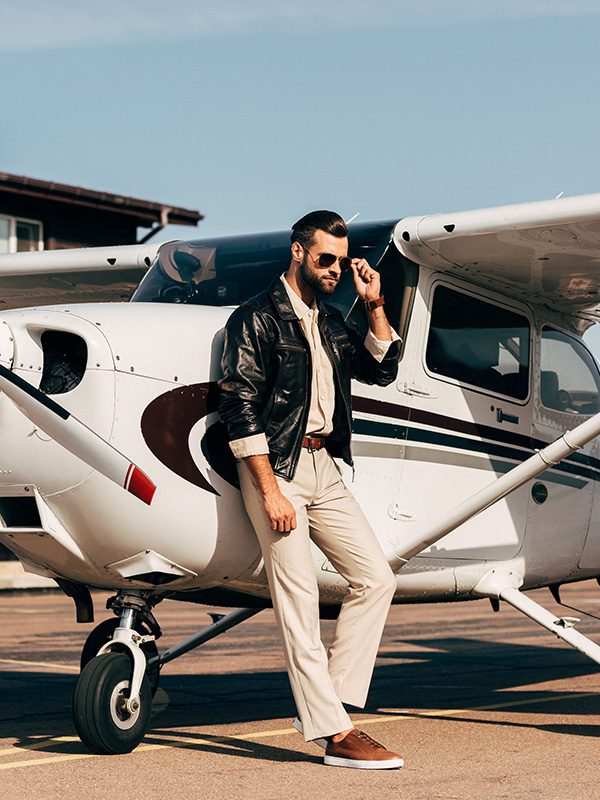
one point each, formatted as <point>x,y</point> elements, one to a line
<point>75,436</point>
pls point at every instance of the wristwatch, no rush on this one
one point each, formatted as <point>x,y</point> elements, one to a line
<point>371,305</point>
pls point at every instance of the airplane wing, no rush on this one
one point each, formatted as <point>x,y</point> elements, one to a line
<point>73,276</point>
<point>546,252</point>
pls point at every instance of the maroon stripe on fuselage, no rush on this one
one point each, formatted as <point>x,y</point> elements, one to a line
<point>382,408</point>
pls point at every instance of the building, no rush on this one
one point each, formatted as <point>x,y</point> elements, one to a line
<point>44,215</point>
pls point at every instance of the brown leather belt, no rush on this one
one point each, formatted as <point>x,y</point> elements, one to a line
<point>314,442</point>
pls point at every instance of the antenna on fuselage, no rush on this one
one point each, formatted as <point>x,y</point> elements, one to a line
<point>352,218</point>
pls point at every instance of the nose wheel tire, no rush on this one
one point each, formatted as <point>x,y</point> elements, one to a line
<point>103,633</point>
<point>102,719</point>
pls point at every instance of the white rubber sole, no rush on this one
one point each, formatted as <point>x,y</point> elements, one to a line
<point>353,763</point>
<point>320,742</point>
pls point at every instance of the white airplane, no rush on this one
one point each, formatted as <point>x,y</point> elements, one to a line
<point>479,468</point>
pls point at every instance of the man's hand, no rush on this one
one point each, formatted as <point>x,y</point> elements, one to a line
<point>368,287</point>
<point>278,508</point>
<point>280,511</point>
<point>366,280</point>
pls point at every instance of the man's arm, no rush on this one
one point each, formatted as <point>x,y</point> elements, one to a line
<point>278,508</point>
<point>379,325</point>
<point>244,385</point>
<point>375,358</point>
<point>247,346</point>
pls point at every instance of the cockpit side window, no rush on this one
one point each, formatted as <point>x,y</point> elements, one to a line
<point>569,377</point>
<point>213,273</point>
<point>479,343</point>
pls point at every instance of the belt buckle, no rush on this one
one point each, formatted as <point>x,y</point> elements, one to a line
<point>310,447</point>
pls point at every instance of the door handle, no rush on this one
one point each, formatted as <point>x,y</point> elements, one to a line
<point>410,388</point>
<point>502,417</point>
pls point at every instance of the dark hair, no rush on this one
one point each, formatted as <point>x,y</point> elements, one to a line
<point>303,231</point>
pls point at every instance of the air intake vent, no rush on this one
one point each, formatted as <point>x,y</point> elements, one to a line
<point>65,360</point>
<point>19,512</point>
<point>155,578</point>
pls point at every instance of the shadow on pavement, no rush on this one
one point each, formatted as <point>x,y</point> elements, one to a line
<point>437,674</point>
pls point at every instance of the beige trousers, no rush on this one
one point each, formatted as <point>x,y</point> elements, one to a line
<point>328,514</point>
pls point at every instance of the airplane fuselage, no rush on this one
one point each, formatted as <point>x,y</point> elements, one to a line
<point>478,391</point>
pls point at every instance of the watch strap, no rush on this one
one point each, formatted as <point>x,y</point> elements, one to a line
<point>371,305</point>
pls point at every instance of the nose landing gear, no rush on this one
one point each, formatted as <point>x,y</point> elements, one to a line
<point>107,719</point>
<point>113,696</point>
<point>120,668</point>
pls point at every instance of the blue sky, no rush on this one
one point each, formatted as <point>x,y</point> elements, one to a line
<point>256,112</point>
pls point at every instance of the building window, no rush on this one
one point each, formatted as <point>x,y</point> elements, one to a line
<point>4,235</point>
<point>479,343</point>
<point>20,235</point>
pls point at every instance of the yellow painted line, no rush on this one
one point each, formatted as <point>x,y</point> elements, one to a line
<point>165,742</point>
<point>32,762</point>
<point>169,741</point>
<point>48,664</point>
<point>39,745</point>
<point>190,741</point>
<point>449,712</point>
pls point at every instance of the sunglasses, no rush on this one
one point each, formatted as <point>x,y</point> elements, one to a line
<point>328,259</point>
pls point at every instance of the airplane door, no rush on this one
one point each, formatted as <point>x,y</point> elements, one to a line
<point>470,419</point>
<point>568,393</point>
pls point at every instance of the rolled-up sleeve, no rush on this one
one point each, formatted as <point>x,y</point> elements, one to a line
<point>378,347</point>
<point>255,445</point>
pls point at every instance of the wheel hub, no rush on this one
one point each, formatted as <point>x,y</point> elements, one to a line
<point>123,713</point>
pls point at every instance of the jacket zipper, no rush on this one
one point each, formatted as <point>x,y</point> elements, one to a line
<point>298,448</point>
<point>325,339</point>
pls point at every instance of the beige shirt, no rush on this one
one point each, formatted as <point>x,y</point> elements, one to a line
<point>322,396</point>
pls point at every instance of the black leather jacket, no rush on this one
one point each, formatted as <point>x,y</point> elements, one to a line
<point>266,380</point>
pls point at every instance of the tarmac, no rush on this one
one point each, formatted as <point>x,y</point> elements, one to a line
<point>479,704</point>
<point>12,576</point>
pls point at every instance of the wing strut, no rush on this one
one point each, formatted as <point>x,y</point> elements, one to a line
<point>539,462</point>
<point>504,585</point>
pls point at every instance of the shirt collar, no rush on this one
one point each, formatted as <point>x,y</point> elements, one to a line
<point>299,306</point>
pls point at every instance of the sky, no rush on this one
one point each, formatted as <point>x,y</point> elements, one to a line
<point>257,111</point>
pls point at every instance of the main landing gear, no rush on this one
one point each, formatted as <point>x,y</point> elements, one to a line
<point>120,667</point>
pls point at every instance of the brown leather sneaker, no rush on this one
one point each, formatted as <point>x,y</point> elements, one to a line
<point>359,751</point>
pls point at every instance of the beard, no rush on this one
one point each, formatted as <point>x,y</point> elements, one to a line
<point>319,281</point>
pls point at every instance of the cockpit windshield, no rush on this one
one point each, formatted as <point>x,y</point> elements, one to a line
<point>227,271</point>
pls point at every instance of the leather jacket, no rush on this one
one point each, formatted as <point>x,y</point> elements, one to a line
<point>266,382</point>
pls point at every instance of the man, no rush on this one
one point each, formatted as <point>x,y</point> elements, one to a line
<point>285,399</point>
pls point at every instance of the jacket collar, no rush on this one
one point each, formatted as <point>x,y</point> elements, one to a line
<point>281,301</point>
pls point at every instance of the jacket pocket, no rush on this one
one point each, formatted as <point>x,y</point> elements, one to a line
<point>292,347</point>
<point>291,357</point>
<point>341,346</point>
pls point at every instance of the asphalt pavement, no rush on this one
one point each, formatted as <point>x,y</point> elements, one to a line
<point>479,704</point>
